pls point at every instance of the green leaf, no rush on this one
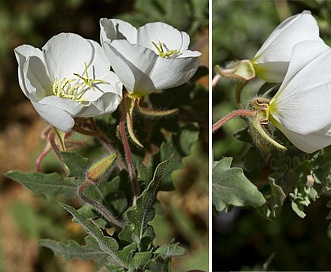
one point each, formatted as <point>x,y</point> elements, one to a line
<point>144,172</point>
<point>170,250</point>
<point>231,187</point>
<point>143,212</point>
<point>113,268</point>
<point>298,209</point>
<point>77,165</point>
<point>107,244</point>
<point>127,252</point>
<point>141,258</point>
<point>275,200</point>
<point>175,149</point>
<point>50,185</point>
<point>187,136</point>
<point>89,251</point>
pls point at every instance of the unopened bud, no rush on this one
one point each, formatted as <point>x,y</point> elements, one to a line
<point>100,168</point>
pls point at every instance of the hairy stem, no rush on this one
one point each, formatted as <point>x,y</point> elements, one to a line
<point>99,207</point>
<point>128,156</point>
<point>215,80</point>
<point>242,113</point>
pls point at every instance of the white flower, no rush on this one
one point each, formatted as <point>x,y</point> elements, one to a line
<point>150,58</point>
<point>271,61</point>
<point>70,77</point>
<point>301,108</point>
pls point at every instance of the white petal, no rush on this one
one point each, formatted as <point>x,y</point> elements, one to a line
<point>106,103</point>
<point>303,53</point>
<point>114,29</point>
<point>189,54</point>
<point>278,46</point>
<point>66,53</point>
<point>56,117</point>
<point>273,72</point>
<point>71,107</point>
<point>144,72</point>
<point>303,101</point>
<point>132,64</point>
<point>36,78</point>
<point>22,53</point>
<point>105,98</point>
<point>99,64</point>
<point>307,143</point>
<point>169,73</point>
<point>172,38</point>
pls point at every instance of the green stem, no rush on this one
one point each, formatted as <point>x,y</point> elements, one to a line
<point>51,138</point>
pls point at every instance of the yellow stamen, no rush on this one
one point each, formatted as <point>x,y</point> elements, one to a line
<point>162,51</point>
<point>90,83</point>
<point>73,88</point>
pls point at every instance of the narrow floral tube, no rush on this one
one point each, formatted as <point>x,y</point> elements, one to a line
<point>69,77</point>
<point>272,59</point>
<point>301,107</point>
<point>148,59</point>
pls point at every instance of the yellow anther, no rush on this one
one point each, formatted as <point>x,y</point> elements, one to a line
<point>162,51</point>
<point>75,88</point>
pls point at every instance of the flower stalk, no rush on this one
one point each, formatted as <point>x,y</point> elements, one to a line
<point>225,119</point>
<point>128,154</point>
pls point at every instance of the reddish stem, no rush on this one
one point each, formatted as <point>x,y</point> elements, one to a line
<point>99,207</point>
<point>231,115</point>
<point>128,157</point>
<point>42,155</point>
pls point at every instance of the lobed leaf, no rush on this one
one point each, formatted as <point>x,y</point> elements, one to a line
<point>231,187</point>
<point>170,250</point>
<point>107,244</point>
<point>143,212</point>
<point>90,251</point>
<point>50,185</point>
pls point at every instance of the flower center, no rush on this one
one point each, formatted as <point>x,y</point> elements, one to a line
<point>164,52</point>
<point>75,88</point>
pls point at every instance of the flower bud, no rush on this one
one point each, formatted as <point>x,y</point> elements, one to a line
<point>98,169</point>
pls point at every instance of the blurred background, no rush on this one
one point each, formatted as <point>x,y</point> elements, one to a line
<point>25,218</point>
<point>242,239</point>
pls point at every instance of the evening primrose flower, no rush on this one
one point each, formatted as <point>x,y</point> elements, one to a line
<point>69,77</point>
<point>151,58</point>
<point>301,107</point>
<point>271,61</point>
